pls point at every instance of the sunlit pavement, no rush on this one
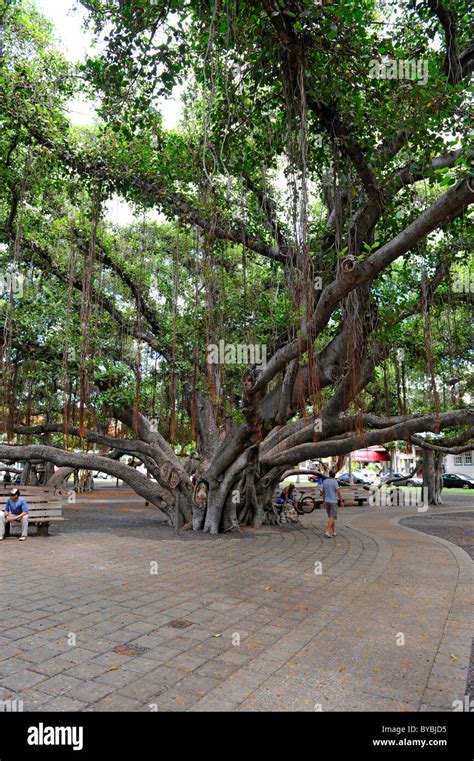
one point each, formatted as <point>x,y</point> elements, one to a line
<point>113,612</point>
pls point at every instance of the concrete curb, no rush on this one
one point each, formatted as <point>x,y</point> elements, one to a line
<point>446,685</point>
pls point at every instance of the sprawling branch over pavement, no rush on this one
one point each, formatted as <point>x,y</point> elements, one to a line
<point>345,445</point>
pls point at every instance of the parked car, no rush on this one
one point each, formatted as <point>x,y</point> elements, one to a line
<point>457,481</point>
<point>386,476</point>
<point>315,479</point>
<point>344,480</point>
<point>406,480</point>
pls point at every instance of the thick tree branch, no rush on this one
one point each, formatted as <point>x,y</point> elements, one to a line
<point>389,148</point>
<point>447,206</point>
<point>89,461</point>
<point>452,64</point>
<point>401,431</point>
<point>414,172</point>
<point>454,445</point>
<point>467,60</point>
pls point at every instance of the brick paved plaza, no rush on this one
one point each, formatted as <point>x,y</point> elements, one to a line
<point>113,612</point>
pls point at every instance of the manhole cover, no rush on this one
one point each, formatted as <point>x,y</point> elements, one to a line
<point>129,649</point>
<point>180,623</point>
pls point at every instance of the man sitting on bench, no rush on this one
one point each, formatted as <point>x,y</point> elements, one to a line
<point>16,509</point>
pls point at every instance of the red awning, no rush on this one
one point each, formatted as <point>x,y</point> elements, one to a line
<point>371,455</point>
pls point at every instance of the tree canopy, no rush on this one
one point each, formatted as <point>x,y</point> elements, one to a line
<point>297,280</point>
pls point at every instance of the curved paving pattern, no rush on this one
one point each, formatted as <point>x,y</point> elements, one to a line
<point>276,619</point>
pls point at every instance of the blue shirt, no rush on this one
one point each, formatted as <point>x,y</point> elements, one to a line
<point>16,508</point>
<point>330,488</point>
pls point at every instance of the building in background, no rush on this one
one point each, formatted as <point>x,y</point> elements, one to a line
<point>460,463</point>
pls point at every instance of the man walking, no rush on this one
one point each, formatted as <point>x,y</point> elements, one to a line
<point>16,509</point>
<point>331,493</point>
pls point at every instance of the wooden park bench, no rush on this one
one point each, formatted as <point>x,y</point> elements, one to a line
<point>44,503</point>
<point>356,495</point>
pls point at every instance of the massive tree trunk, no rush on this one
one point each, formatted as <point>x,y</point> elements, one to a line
<point>235,486</point>
<point>29,476</point>
<point>59,479</point>
<point>432,476</point>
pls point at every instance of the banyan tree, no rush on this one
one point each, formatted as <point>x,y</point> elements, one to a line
<point>289,286</point>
